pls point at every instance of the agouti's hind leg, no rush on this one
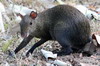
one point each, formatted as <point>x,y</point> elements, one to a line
<point>64,42</point>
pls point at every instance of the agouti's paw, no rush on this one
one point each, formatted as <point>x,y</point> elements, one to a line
<point>65,51</point>
<point>12,53</point>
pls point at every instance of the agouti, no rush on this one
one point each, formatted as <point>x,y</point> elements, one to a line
<point>62,23</point>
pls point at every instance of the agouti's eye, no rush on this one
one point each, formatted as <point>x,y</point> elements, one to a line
<point>30,23</point>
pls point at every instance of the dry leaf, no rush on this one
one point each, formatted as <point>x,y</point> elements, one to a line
<point>97,38</point>
<point>84,64</point>
<point>92,7</point>
<point>49,55</point>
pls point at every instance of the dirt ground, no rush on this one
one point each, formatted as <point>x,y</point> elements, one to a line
<point>37,59</point>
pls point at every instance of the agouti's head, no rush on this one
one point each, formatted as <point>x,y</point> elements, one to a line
<point>26,22</point>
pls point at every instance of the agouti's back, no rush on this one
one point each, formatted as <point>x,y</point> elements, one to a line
<point>68,18</point>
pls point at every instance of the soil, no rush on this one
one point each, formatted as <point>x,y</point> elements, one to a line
<point>37,59</point>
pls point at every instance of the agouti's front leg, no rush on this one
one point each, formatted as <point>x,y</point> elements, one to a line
<point>23,43</point>
<point>35,46</point>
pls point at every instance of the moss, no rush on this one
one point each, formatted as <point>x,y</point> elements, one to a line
<point>6,26</point>
<point>7,44</point>
<point>1,40</point>
<point>1,0</point>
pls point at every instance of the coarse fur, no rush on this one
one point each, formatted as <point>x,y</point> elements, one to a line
<point>62,23</point>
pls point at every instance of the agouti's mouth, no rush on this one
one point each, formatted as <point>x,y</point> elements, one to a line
<point>24,35</point>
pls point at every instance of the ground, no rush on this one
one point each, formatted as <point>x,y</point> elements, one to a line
<point>37,59</point>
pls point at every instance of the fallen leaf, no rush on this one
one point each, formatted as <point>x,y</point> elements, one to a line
<point>97,38</point>
<point>84,64</point>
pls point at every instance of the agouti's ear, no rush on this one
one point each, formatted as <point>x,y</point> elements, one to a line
<point>33,15</point>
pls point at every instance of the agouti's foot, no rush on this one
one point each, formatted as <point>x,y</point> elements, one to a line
<point>12,53</point>
<point>64,51</point>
